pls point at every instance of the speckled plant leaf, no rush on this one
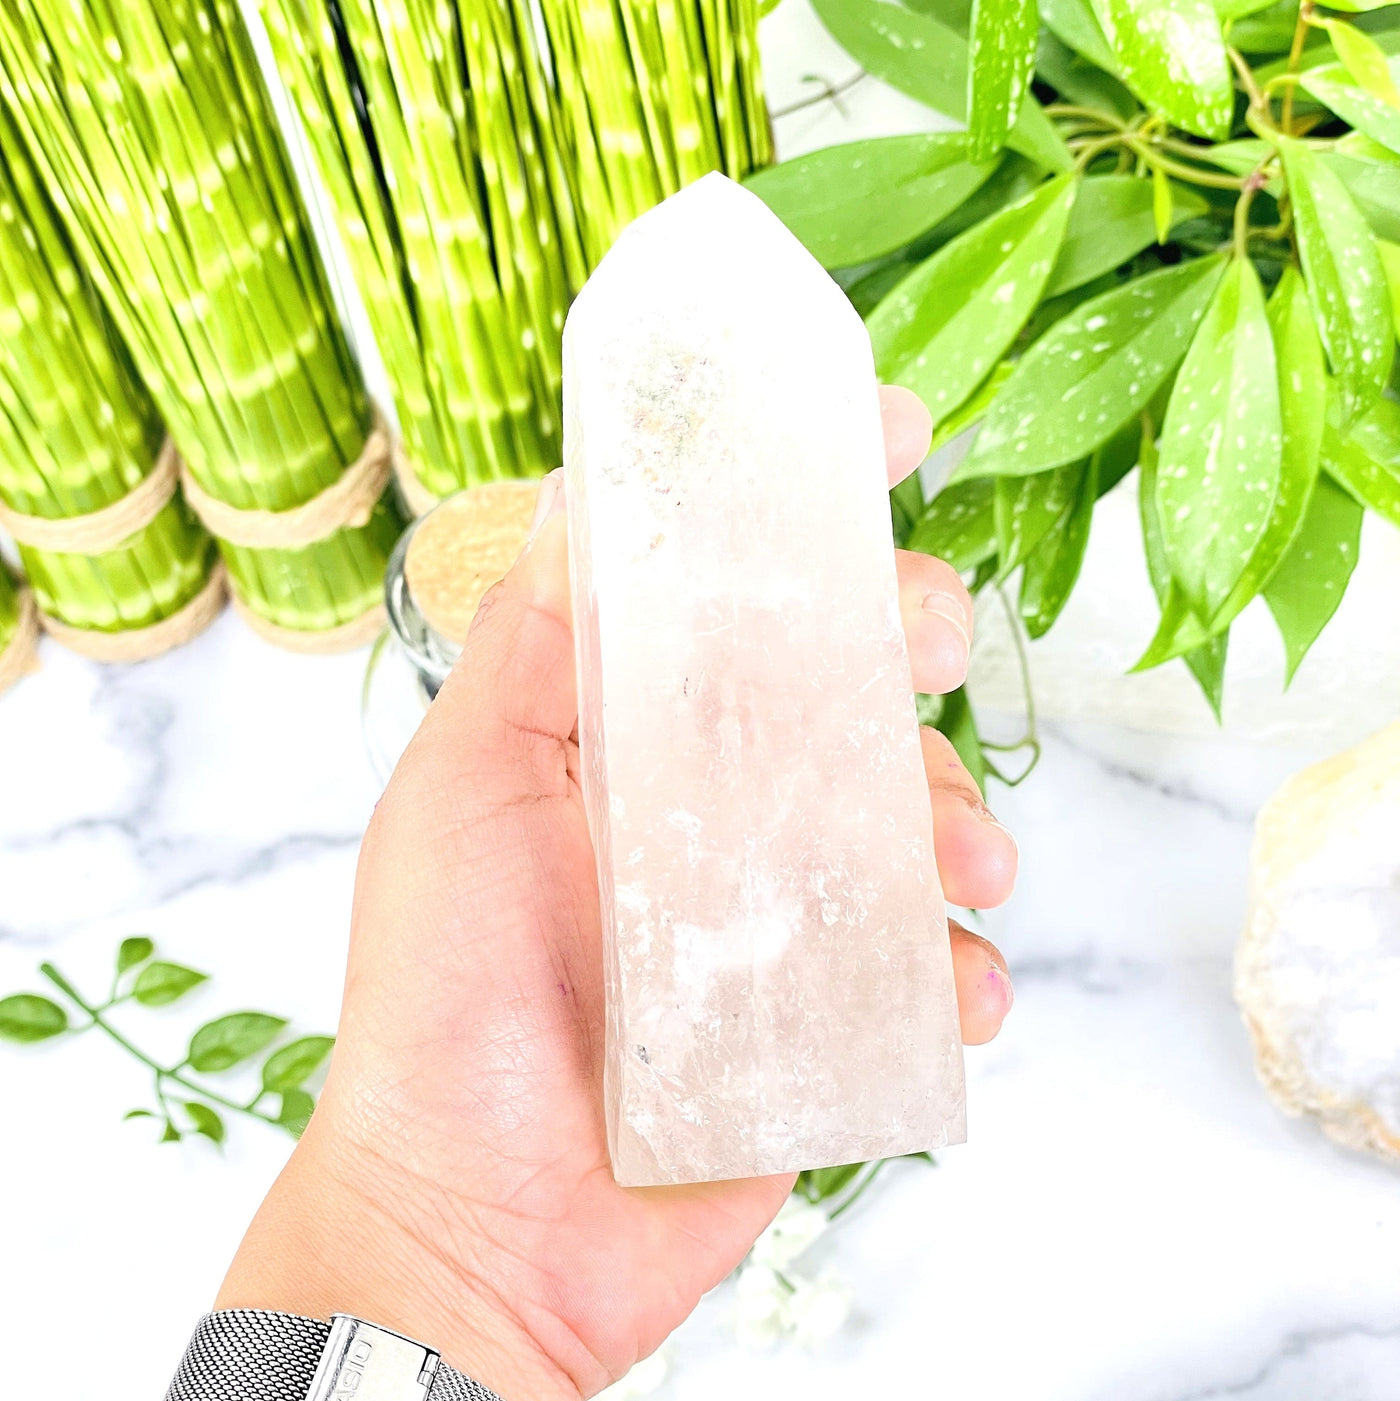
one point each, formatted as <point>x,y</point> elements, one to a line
<point>857,202</point>
<point>1027,508</point>
<point>1334,87</point>
<point>1206,662</point>
<point>1344,276</point>
<point>974,409</point>
<point>1364,60</point>
<point>1001,52</point>
<point>928,61</point>
<point>1309,583</point>
<point>1302,403</point>
<point>1053,565</point>
<point>1074,23</point>
<point>1114,219</point>
<point>956,14</point>
<point>958,525</point>
<point>1221,445</point>
<point>1390,265</point>
<point>1366,460</point>
<point>1093,370</point>
<point>1078,80</point>
<point>1371,175</point>
<point>946,325</point>
<point>1267,30</point>
<point>1173,56</point>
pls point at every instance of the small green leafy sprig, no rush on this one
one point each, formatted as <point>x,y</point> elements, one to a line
<point>185,1104</point>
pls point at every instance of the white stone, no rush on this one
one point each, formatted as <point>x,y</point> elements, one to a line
<point>1318,970</point>
<point>780,990</point>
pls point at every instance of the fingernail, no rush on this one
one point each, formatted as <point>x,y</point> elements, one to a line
<point>547,502</point>
<point>948,607</point>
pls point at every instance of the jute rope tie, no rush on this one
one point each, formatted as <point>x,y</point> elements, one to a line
<point>347,502</point>
<point>20,655</point>
<point>97,531</point>
<point>323,642</point>
<point>417,497</point>
<point>140,644</point>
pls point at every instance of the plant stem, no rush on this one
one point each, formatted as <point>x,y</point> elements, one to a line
<point>831,92</point>
<point>1295,57</point>
<point>162,1073</point>
<point>1185,172</point>
<point>1069,109</point>
<point>1247,80</point>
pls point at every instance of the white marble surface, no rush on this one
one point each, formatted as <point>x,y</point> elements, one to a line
<point>1130,1221</point>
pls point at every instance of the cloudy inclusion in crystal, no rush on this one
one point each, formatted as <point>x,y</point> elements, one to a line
<point>779,986</point>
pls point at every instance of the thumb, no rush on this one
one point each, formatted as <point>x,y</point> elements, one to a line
<point>497,732</point>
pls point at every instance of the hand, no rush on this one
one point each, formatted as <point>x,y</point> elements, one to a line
<point>454,1183</point>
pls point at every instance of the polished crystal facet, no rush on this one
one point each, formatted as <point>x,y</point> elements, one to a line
<point>779,987</point>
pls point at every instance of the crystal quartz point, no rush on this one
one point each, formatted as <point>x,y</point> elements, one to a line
<point>1318,970</point>
<point>779,985</point>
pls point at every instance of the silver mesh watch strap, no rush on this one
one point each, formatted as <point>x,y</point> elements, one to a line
<point>255,1355</point>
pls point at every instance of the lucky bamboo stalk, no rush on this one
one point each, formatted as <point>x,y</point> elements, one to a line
<point>78,431</point>
<point>155,136</point>
<point>481,158</point>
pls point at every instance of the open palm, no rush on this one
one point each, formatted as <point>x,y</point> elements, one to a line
<point>455,1181</point>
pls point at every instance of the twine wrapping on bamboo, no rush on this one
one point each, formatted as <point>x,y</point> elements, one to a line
<point>103,529</point>
<point>18,642</point>
<point>153,129</point>
<point>141,644</point>
<point>480,161</point>
<point>349,501</point>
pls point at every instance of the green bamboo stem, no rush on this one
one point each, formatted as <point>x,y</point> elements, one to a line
<point>156,137</point>
<point>78,430</point>
<point>9,607</point>
<point>479,168</point>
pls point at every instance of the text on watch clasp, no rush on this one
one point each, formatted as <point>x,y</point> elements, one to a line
<point>363,1362</point>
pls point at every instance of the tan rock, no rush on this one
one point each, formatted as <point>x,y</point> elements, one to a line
<point>1317,974</point>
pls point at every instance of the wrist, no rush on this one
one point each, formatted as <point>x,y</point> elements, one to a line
<point>329,1241</point>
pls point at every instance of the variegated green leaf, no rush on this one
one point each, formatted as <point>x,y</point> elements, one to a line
<point>1053,565</point>
<point>1027,508</point>
<point>958,526</point>
<point>1001,52</point>
<point>1093,370</point>
<point>946,325</point>
<point>857,202</point>
<point>1364,60</point>
<point>1207,661</point>
<point>1308,585</point>
<point>1302,403</point>
<point>1345,279</point>
<point>1334,87</point>
<point>928,61</point>
<point>1074,23</point>
<point>1221,445</point>
<point>1366,460</point>
<point>1173,56</point>
<point>1390,265</point>
<point>1114,218</point>
<point>1371,175</point>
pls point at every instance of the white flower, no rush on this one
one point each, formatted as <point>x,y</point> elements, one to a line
<point>791,1233</point>
<point>760,1305</point>
<point>818,1309</point>
<point>642,1380</point>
